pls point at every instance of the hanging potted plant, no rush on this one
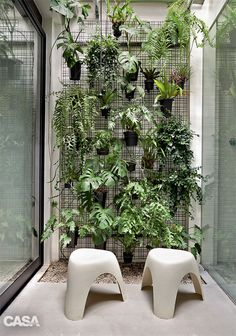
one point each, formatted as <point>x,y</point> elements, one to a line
<point>65,40</point>
<point>130,64</point>
<point>130,89</point>
<point>131,120</point>
<point>148,143</point>
<point>119,14</point>
<point>150,74</point>
<point>131,165</point>
<point>168,91</point>
<point>180,75</point>
<point>102,60</point>
<point>106,98</point>
<point>102,142</point>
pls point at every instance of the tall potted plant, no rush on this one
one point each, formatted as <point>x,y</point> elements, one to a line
<point>69,9</point>
<point>168,91</point>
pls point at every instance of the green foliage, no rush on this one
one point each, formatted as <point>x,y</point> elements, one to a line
<point>102,59</point>
<point>107,97</point>
<point>167,89</point>
<point>103,139</point>
<point>121,12</point>
<point>67,223</point>
<point>172,140</point>
<point>129,62</point>
<point>227,25</point>
<point>181,25</point>
<point>69,11</point>
<point>100,224</point>
<point>180,74</point>
<point>131,117</point>
<point>150,73</point>
<point>80,106</point>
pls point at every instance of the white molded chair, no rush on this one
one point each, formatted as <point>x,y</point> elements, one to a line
<point>164,269</point>
<point>85,265</point>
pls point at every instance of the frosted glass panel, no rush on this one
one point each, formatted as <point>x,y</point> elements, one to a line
<point>18,105</point>
<point>219,157</point>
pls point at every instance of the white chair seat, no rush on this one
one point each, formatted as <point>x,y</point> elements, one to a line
<point>164,269</point>
<point>85,265</point>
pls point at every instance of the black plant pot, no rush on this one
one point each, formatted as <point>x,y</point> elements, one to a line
<point>102,246</point>
<point>130,95</point>
<point>166,106</point>
<point>75,71</point>
<point>128,257</point>
<point>102,151</point>
<point>74,237</point>
<point>132,76</point>
<point>68,185</point>
<point>232,38</point>
<point>116,30</point>
<point>181,84</point>
<point>100,197</point>
<point>131,166</point>
<point>131,138</point>
<point>149,84</point>
<point>105,112</point>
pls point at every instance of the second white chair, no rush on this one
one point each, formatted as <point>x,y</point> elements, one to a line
<point>164,269</point>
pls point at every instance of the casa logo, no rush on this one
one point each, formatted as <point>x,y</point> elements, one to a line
<point>21,321</point>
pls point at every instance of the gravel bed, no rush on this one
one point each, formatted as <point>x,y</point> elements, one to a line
<point>132,274</point>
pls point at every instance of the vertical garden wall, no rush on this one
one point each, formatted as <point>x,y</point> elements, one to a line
<point>126,179</point>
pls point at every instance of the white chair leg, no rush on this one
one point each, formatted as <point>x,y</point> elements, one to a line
<point>146,278</point>
<point>164,298</point>
<point>75,300</point>
<point>197,284</point>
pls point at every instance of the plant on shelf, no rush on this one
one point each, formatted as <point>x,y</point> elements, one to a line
<point>69,9</point>
<point>79,106</point>
<point>102,60</point>
<point>180,75</point>
<point>106,97</point>
<point>102,142</point>
<point>150,74</point>
<point>131,117</point>
<point>168,91</point>
<point>119,14</point>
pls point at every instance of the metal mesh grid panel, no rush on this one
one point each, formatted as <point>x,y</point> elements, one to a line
<point>180,109</point>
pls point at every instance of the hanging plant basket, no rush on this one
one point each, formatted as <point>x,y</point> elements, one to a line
<point>75,71</point>
<point>128,257</point>
<point>131,138</point>
<point>102,151</point>
<point>147,163</point>
<point>131,166</point>
<point>105,112</point>
<point>116,30</point>
<point>166,106</point>
<point>68,185</point>
<point>181,84</point>
<point>74,237</point>
<point>100,196</point>
<point>149,85</point>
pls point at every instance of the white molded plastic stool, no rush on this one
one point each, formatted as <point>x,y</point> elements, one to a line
<point>85,265</point>
<point>165,268</point>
